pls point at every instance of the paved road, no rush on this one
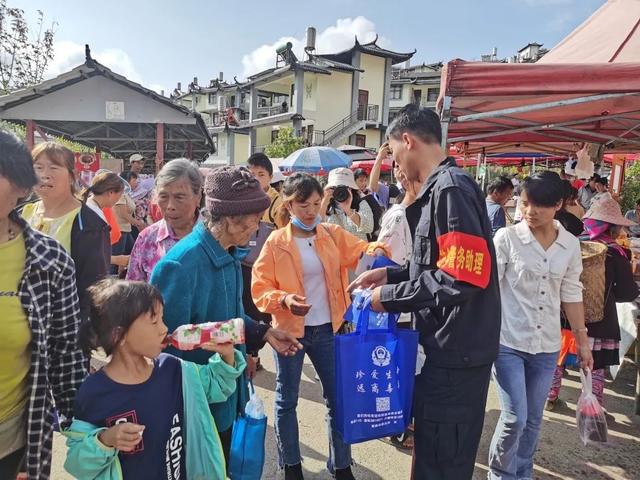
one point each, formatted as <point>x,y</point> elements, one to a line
<point>561,454</point>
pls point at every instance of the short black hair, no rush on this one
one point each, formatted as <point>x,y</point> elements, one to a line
<point>128,175</point>
<point>544,189</point>
<point>114,306</point>
<point>500,184</point>
<point>259,159</point>
<point>16,164</point>
<point>594,177</point>
<point>421,122</point>
<point>603,181</point>
<point>360,172</point>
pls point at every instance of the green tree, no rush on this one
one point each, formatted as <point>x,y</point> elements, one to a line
<point>631,188</point>
<point>285,144</point>
<point>24,52</point>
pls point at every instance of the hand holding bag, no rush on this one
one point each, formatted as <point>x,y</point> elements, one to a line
<point>374,377</point>
<point>592,424</point>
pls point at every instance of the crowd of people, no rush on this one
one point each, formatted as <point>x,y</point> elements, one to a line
<point>127,261</point>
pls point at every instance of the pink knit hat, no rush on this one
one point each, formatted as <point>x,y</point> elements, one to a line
<point>606,209</point>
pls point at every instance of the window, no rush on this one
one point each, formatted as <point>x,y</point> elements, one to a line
<point>396,92</point>
<point>232,101</point>
<point>432,95</point>
<point>274,135</point>
<point>212,99</point>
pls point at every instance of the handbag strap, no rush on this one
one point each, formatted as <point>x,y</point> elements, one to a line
<point>363,319</point>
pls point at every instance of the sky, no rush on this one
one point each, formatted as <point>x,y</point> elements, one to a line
<point>159,42</point>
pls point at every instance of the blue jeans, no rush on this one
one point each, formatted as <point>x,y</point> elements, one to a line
<point>318,343</point>
<point>523,381</point>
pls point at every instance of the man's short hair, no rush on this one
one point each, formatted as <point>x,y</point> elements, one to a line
<point>259,159</point>
<point>421,122</point>
<point>500,185</point>
<point>360,172</point>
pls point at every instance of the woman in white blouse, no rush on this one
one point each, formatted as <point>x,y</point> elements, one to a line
<point>539,266</point>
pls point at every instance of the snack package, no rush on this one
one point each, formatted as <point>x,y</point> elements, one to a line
<point>190,337</point>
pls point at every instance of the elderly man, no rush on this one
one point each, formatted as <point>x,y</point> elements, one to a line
<point>141,195</point>
<point>451,287</point>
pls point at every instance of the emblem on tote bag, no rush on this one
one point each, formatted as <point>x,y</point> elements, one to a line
<point>381,356</point>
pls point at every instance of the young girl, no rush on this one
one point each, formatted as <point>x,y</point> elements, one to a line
<point>146,414</point>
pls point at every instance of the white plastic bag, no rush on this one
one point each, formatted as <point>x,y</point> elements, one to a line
<point>255,405</point>
<point>592,424</point>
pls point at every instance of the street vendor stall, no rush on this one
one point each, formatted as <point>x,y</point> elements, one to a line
<point>553,108</point>
<point>545,108</point>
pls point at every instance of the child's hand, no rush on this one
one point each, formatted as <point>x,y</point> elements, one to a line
<point>225,350</point>
<point>124,436</point>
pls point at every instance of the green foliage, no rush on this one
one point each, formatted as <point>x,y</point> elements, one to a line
<point>25,51</point>
<point>285,144</point>
<point>21,132</point>
<point>631,188</point>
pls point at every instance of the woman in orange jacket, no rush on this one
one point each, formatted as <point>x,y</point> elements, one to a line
<point>300,278</point>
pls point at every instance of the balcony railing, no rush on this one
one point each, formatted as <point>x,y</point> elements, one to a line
<point>369,113</point>
<point>235,116</point>
<point>271,111</point>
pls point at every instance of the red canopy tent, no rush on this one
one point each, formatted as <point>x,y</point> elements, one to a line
<point>496,107</point>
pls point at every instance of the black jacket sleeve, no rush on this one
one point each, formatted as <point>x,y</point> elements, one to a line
<point>455,211</point>
<point>91,253</point>
<point>624,286</point>
<point>254,334</point>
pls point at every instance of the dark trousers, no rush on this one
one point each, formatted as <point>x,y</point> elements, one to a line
<point>225,440</point>
<point>10,465</point>
<point>449,409</point>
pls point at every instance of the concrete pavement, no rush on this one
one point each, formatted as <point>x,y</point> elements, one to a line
<point>561,455</point>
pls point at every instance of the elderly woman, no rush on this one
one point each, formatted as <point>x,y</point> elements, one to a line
<point>40,363</point>
<point>59,214</point>
<point>178,191</point>
<point>201,281</point>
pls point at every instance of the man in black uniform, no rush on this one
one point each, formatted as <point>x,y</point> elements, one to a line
<point>451,286</point>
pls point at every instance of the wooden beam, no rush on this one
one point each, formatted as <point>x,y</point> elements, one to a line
<point>159,146</point>
<point>30,134</point>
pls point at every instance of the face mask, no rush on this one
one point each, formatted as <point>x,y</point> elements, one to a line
<point>298,223</point>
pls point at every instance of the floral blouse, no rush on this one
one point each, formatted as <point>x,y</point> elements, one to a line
<point>152,244</point>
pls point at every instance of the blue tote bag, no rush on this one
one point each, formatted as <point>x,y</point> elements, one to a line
<point>247,442</point>
<point>375,371</point>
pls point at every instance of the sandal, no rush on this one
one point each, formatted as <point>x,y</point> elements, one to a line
<point>404,441</point>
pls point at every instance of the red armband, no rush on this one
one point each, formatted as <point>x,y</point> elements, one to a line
<point>465,257</point>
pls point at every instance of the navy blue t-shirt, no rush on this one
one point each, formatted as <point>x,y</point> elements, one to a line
<point>157,404</point>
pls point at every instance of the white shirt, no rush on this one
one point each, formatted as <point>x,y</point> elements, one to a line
<point>533,283</point>
<point>315,286</point>
<point>396,235</point>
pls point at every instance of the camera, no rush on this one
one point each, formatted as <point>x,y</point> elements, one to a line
<point>341,194</point>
